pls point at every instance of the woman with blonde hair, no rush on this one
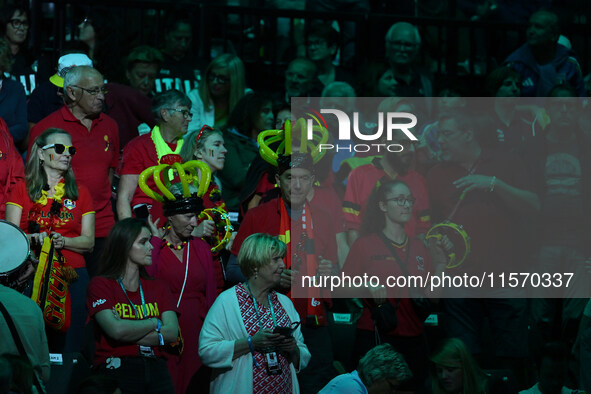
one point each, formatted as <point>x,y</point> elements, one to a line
<point>251,336</point>
<point>49,203</point>
<point>222,87</point>
<point>454,370</point>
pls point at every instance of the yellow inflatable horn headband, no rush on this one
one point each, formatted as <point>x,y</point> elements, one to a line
<point>169,168</point>
<point>299,128</point>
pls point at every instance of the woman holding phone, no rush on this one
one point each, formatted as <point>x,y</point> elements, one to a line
<point>240,337</point>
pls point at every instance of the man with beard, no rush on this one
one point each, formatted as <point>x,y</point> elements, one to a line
<point>309,234</point>
<point>362,180</point>
<point>488,192</point>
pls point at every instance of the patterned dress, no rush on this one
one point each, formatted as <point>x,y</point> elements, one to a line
<point>262,382</point>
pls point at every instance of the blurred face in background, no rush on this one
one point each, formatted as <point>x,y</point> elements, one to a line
<point>17,28</point>
<point>402,46</point>
<point>219,82</point>
<point>142,77</point>
<point>178,41</point>
<point>86,32</point>
<point>299,78</point>
<point>265,119</point>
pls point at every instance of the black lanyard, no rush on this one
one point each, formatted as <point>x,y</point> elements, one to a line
<point>144,308</point>
<point>256,308</point>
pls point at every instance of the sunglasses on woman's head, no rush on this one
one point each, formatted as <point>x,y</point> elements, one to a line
<point>61,148</point>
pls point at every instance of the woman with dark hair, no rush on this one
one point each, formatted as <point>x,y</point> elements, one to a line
<point>384,250</point>
<point>50,203</point>
<point>134,315</point>
<point>14,28</point>
<point>219,92</point>
<point>252,115</point>
<point>13,101</point>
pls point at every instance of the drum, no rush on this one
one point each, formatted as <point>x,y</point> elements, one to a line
<point>458,237</point>
<point>15,254</point>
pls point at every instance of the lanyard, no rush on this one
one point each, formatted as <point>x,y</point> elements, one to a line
<point>144,308</point>
<point>256,308</point>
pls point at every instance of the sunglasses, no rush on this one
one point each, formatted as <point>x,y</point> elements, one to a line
<point>61,148</point>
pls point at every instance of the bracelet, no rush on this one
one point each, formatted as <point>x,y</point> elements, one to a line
<point>491,187</point>
<point>160,339</point>
<point>251,346</point>
<point>159,327</point>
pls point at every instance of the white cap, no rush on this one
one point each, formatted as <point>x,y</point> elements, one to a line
<point>65,64</point>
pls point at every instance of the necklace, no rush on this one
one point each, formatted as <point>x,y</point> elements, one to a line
<point>176,247</point>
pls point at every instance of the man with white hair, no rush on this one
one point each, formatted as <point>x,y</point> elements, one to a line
<point>96,138</point>
<point>403,42</point>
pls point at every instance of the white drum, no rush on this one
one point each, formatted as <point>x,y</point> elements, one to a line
<point>15,254</point>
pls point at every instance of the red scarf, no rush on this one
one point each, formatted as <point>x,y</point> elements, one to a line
<point>306,262</point>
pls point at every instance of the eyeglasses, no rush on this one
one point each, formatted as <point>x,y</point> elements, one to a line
<point>402,44</point>
<point>94,91</point>
<point>19,23</point>
<point>401,201</point>
<point>61,148</point>
<point>186,114</point>
<point>316,43</point>
<point>222,79</point>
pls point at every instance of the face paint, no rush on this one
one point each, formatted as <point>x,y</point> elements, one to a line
<point>50,157</point>
<point>211,152</point>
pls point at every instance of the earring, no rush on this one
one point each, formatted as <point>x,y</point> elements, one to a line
<point>256,274</point>
<point>41,162</point>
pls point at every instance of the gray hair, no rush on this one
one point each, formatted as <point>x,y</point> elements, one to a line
<point>77,73</point>
<point>168,99</point>
<point>383,362</point>
<point>404,25</point>
<point>338,89</point>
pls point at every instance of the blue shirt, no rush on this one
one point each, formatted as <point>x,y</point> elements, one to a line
<point>349,383</point>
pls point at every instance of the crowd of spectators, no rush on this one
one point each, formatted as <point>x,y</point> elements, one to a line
<point>510,169</point>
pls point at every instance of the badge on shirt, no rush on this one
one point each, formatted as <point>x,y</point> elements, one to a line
<point>69,204</point>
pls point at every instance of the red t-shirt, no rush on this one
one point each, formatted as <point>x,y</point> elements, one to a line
<point>104,293</point>
<point>12,169</point>
<point>369,255</point>
<point>139,154</point>
<point>97,151</point>
<point>363,180</point>
<point>69,224</point>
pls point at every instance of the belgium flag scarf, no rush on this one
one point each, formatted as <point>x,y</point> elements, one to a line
<point>311,309</point>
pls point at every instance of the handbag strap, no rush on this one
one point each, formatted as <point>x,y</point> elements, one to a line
<point>19,343</point>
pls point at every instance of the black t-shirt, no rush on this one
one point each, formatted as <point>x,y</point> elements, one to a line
<point>183,75</point>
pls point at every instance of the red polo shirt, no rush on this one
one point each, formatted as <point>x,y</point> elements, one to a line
<point>139,154</point>
<point>97,151</point>
<point>12,169</point>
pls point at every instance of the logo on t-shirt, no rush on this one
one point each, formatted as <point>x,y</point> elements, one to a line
<point>69,204</point>
<point>98,302</point>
